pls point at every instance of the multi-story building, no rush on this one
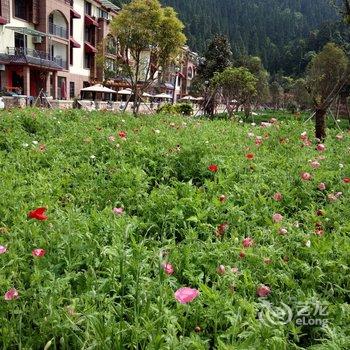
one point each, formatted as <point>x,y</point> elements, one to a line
<point>52,45</point>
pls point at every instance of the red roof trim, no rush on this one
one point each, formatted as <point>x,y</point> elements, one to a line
<point>74,43</point>
<point>74,13</point>
<point>90,21</point>
<point>89,48</point>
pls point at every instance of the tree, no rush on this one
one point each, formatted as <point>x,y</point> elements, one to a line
<point>326,76</point>
<point>151,37</point>
<point>255,66</point>
<point>238,86</point>
<point>301,95</point>
<point>276,92</point>
<point>216,59</point>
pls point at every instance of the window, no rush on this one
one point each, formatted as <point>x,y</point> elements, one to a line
<point>20,40</point>
<point>190,73</point>
<point>102,14</point>
<point>71,89</point>
<point>88,8</point>
<point>71,55</point>
<point>87,61</point>
<point>22,9</point>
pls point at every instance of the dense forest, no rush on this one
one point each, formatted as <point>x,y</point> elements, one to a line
<point>278,31</point>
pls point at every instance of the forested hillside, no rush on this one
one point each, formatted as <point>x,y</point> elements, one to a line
<point>256,27</point>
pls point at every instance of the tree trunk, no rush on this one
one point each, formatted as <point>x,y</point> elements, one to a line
<point>247,110</point>
<point>321,123</point>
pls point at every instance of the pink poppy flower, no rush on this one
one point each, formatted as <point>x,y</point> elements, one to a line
<point>282,231</point>
<point>38,253</point>
<point>263,291</point>
<point>221,269</point>
<point>307,143</point>
<point>168,268</point>
<point>258,141</point>
<point>235,270</point>
<point>186,295</point>
<point>118,211</point>
<point>222,198</point>
<point>306,176</point>
<point>11,294</point>
<point>247,242</point>
<point>319,232</point>
<point>321,147</point>
<point>346,180</point>
<point>322,186</point>
<point>277,217</point>
<point>3,249</point>
<point>278,197</point>
<point>315,164</point>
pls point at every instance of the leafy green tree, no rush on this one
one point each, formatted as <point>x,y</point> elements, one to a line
<point>216,59</point>
<point>238,87</point>
<point>151,36</point>
<point>326,76</point>
<point>255,66</point>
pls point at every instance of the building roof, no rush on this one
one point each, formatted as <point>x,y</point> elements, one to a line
<point>108,5</point>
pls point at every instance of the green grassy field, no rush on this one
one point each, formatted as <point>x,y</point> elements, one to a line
<point>134,214</point>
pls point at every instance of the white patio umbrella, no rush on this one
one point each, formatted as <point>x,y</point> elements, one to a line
<point>99,88</point>
<point>124,92</point>
<point>145,94</point>
<point>165,96</point>
<point>188,98</point>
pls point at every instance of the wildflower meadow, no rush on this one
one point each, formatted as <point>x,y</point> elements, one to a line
<point>169,232</point>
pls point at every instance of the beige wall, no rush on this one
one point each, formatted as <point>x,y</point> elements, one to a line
<point>78,35</point>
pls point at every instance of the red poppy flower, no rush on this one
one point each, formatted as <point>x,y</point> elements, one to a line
<point>38,214</point>
<point>122,134</point>
<point>346,180</point>
<point>250,156</point>
<point>213,168</point>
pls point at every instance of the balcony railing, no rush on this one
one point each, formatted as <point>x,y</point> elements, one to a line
<point>57,30</point>
<point>24,55</point>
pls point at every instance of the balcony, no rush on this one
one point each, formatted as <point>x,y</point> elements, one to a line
<point>21,55</point>
<point>57,30</point>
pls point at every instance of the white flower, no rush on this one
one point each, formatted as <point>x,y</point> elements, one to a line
<point>157,131</point>
<point>92,157</point>
<point>35,142</point>
<point>25,144</point>
<point>308,244</point>
<point>338,120</point>
<point>123,120</point>
<point>241,121</point>
<point>341,166</point>
<point>58,122</point>
<point>253,124</point>
<point>206,142</point>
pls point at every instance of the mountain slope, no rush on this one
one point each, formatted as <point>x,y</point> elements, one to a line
<point>257,27</point>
